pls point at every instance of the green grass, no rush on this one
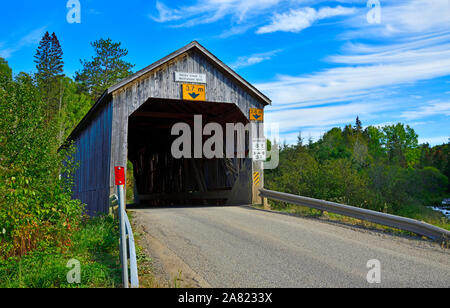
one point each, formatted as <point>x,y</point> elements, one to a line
<point>147,278</point>
<point>425,214</point>
<point>95,245</point>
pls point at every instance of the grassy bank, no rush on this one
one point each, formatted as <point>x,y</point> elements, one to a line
<point>146,274</point>
<point>94,244</point>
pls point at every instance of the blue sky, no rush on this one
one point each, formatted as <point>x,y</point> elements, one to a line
<point>321,62</point>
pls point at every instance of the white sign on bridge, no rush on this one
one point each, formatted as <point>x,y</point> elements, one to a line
<point>259,149</point>
<point>190,77</point>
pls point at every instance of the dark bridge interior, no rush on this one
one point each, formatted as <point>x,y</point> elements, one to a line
<point>160,179</point>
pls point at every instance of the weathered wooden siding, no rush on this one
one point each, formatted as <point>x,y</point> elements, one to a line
<point>119,139</point>
<point>103,141</point>
<point>160,83</point>
<point>93,156</point>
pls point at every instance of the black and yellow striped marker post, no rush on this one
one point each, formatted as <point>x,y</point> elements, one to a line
<point>256,178</point>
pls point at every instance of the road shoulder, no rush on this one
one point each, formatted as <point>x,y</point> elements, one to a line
<point>169,270</point>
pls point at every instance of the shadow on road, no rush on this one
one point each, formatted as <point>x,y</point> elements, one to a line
<point>180,206</point>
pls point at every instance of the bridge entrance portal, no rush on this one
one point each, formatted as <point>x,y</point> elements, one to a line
<point>162,178</point>
<point>132,121</point>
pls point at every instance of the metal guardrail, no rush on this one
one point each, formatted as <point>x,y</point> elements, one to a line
<point>134,279</point>
<point>126,240</point>
<point>389,220</point>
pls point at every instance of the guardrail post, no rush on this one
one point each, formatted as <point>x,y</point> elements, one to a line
<point>120,182</point>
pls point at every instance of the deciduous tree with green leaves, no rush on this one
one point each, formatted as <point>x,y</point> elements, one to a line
<point>76,105</point>
<point>35,203</point>
<point>5,70</point>
<point>105,68</point>
<point>401,144</point>
<point>378,168</point>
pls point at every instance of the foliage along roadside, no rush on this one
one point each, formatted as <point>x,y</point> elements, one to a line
<point>93,244</point>
<point>378,168</point>
<point>40,225</point>
<point>35,201</point>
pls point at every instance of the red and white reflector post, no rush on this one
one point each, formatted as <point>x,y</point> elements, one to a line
<point>119,173</point>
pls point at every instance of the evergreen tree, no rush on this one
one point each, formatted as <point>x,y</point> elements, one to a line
<point>299,139</point>
<point>56,64</point>
<point>106,68</point>
<point>50,67</point>
<point>358,125</point>
<point>42,58</point>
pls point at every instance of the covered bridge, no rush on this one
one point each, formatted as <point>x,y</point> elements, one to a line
<point>133,121</point>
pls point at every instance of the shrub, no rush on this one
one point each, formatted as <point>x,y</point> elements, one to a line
<point>36,208</point>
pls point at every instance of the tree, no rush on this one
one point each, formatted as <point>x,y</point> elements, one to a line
<point>375,142</point>
<point>300,139</point>
<point>378,168</point>
<point>48,59</point>
<point>50,67</point>
<point>34,200</point>
<point>56,63</point>
<point>358,125</point>
<point>5,70</point>
<point>106,68</point>
<point>76,105</point>
<point>42,58</point>
<point>401,144</point>
<point>332,145</point>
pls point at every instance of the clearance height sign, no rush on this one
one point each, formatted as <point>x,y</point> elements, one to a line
<point>256,114</point>
<point>193,92</point>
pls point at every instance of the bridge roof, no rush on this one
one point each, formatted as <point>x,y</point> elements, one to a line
<point>105,97</point>
<point>193,45</point>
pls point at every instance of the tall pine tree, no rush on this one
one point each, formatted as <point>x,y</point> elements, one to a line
<point>56,64</point>
<point>50,67</point>
<point>42,59</point>
<point>358,125</point>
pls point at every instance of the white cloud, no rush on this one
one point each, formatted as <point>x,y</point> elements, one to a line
<point>364,70</point>
<point>434,140</point>
<point>412,44</point>
<point>165,13</point>
<point>311,133</point>
<point>6,52</point>
<point>209,11</point>
<point>31,38</point>
<point>321,118</point>
<point>300,19</point>
<point>410,50</point>
<point>418,15</point>
<point>254,59</point>
<point>403,18</point>
<point>431,108</point>
<point>360,73</point>
<point>235,30</point>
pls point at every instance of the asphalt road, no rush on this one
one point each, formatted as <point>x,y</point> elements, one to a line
<point>243,247</point>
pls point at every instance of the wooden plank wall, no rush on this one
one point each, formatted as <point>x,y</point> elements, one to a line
<point>160,83</point>
<point>93,145</point>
